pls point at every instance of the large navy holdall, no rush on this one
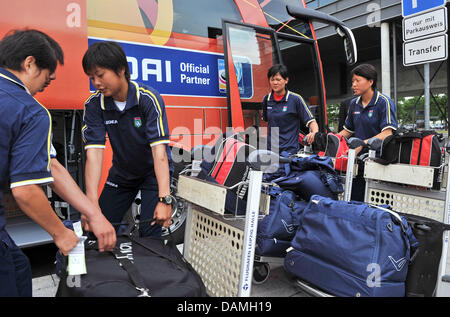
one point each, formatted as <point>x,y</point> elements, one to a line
<point>351,248</point>
<point>277,229</point>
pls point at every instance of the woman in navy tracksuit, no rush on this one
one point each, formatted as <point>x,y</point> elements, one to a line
<point>135,119</point>
<point>285,114</point>
<point>370,114</point>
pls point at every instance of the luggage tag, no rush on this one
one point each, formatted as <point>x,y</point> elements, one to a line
<point>77,261</point>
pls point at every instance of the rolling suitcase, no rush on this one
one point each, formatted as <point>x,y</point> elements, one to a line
<point>229,165</point>
<point>423,273</point>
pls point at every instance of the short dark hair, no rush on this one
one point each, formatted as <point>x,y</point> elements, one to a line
<point>107,55</point>
<point>17,45</point>
<point>368,72</point>
<point>278,68</point>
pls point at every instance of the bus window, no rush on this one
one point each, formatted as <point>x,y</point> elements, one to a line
<point>303,73</point>
<point>252,54</point>
<point>203,17</point>
<point>278,18</point>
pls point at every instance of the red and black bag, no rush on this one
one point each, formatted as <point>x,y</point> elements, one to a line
<point>336,147</point>
<point>413,147</point>
<point>228,164</point>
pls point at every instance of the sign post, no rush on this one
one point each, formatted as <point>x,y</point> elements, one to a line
<point>425,38</point>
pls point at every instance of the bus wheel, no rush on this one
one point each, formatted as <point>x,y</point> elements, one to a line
<point>178,221</point>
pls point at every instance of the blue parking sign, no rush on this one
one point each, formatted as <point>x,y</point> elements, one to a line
<point>410,7</point>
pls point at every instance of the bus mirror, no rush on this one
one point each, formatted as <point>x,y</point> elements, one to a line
<point>343,31</point>
<point>349,44</point>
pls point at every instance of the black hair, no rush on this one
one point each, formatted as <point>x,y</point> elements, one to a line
<point>368,72</point>
<point>278,68</point>
<point>107,55</point>
<point>17,45</point>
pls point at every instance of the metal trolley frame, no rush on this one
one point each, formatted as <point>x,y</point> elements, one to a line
<point>221,247</point>
<point>408,189</point>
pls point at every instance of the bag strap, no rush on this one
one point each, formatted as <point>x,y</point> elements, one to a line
<point>133,273</point>
<point>407,230</point>
<point>135,277</point>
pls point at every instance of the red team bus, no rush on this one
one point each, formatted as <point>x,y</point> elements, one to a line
<point>184,49</point>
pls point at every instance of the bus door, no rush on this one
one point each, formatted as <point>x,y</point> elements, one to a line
<point>249,53</point>
<point>251,50</point>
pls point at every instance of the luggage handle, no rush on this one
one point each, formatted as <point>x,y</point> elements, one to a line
<point>170,239</point>
<point>93,245</point>
<point>422,227</point>
<point>396,215</point>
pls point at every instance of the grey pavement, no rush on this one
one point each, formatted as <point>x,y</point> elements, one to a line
<point>45,286</point>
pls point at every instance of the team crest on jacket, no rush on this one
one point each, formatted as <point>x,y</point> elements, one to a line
<point>137,122</point>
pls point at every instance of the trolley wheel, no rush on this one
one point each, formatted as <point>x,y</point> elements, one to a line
<point>261,271</point>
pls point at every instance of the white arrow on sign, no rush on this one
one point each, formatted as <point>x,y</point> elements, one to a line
<point>414,4</point>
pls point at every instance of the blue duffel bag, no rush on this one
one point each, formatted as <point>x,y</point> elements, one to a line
<point>277,229</point>
<point>351,248</point>
<point>307,176</point>
<point>305,184</point>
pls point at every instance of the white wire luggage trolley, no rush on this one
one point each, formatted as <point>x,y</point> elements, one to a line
<point>220,247</point>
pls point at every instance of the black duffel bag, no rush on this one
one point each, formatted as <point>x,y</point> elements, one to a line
<point>137,267</point>
<point>412,147</point>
